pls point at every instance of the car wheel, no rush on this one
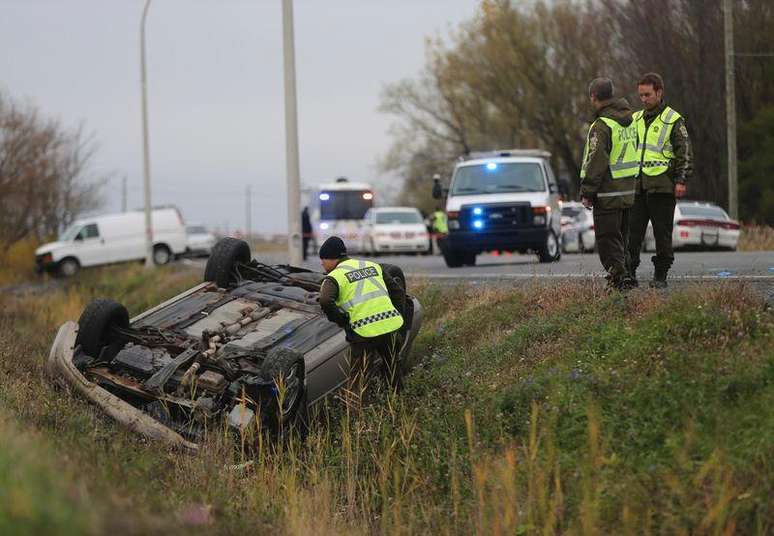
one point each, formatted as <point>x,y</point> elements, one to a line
<point>68,267</point>
<point>550,252</point>
<point>161,255</point>
<point>226,254</point>
<point>95,326</point>
<point>395,272</point>
<point>286,368</point>
<point>453,259</point>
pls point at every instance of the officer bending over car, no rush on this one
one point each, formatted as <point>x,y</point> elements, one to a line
<point>358,296</point>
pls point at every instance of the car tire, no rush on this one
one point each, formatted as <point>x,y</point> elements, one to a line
<point>289,366</point>
<point>161,255</point>
<point>550,252</point>
<point>453,259</point>
<point>68,267</point>
<point>226,254</point>
<point>95,323</point>
<point>395,272</point>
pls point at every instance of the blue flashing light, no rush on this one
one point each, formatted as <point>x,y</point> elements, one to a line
<point>478,211</point>
<point>491,166</point>
<point>478,224</point>
<point>325,197</point>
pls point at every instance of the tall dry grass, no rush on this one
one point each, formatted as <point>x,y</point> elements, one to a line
<point>756,238</point>
<point>17,263</point>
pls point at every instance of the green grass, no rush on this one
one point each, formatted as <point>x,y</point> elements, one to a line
<point>553,409</point>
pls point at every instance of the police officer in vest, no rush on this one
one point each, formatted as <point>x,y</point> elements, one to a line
<point>358,296</point>
<point>610,166</point>
<point>440,228</point>
<point>666,166</point>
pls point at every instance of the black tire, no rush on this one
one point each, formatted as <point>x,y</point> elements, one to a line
<point>68,267</point>
<point>550,251</point>
<point>453,259</point>
<point>226,254</point>
<point>95,323</point>
<point>161,255</point>
<point>390,270</point>
<point>286,367</point>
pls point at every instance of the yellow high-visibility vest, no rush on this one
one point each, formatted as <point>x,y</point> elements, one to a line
<point>655,148</point>
<point>363,295</point>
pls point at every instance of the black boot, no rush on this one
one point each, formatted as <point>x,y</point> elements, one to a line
<point>659,279</point>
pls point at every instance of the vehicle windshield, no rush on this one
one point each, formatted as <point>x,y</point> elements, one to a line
<point>398,217</point>
<point>693,211</point>
<point>70,233</point>
<point>345,205</point>
<point>196,229</point>
<point>498,178</point>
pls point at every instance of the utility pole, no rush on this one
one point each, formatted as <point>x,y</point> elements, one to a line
<point>291,137</point>
<point>728,20</point>
<point>123,194</point>
<point>248,215</point>
<point>145,150</point>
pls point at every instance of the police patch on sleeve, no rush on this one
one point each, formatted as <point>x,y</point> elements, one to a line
<point>363,273</point>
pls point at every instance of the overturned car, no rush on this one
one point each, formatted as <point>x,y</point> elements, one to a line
<point>250,345</point>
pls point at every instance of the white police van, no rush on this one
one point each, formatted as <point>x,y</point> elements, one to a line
<point>505,201</point>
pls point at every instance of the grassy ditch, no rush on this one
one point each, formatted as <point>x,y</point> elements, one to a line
<point>556,409</point>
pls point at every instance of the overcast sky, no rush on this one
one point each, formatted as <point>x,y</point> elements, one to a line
<point>215,90</point>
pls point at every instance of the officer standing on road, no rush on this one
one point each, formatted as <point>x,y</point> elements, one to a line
<point>440,228</point>
<point>608,172</point>
<point>666,166</point>
<point>358,296</point>
<point>307,233</point>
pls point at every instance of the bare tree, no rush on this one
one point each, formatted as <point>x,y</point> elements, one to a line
<point>45,182</point>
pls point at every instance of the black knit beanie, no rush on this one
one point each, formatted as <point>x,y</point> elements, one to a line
<point>333,248</point>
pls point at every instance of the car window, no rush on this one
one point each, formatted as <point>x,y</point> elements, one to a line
<point>494,177</point>
<point>694,211</point>
<point>398,217</point>
<point>70,233</point>
<point>89,231</point>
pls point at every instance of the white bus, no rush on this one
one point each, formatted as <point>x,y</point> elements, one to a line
<point>337,209</point>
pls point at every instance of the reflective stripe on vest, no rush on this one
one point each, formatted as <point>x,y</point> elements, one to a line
<point>624,161</point>
<point>655,148</point>
<point>363,295</point>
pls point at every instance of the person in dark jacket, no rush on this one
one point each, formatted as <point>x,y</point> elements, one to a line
<point>307,234</point>
<point>367,303</point>
<point>608,172</point>
<point>666,167</point>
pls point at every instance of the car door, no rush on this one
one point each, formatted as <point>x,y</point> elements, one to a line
<point>90,247</point>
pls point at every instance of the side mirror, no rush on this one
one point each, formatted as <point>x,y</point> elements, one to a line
<point>552,188</point>
<point>78,237</point>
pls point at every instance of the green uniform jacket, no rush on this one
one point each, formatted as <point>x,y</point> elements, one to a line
<point>598,178</point>
<point>681,166</point>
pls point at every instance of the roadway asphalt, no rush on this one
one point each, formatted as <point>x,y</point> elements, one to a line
<point>710,265</point>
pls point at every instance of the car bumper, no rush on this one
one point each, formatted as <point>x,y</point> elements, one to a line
<point>44,264</point>
<point>512,239</point>
<point>704,237</point>
<point>402,246</point>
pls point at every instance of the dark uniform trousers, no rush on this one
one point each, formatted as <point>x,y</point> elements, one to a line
<point>365,352</point>
<point>611,228</point>
<point>659,208</point>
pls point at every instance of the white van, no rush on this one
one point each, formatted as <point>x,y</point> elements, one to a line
<point>504,200</point>
<point>113,238</point>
